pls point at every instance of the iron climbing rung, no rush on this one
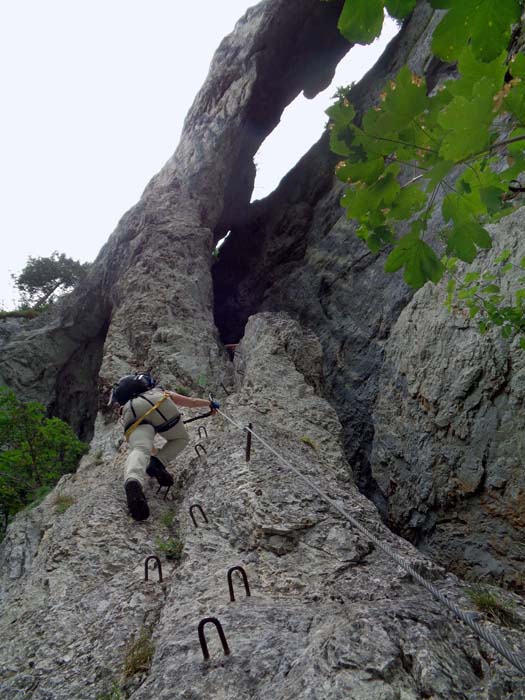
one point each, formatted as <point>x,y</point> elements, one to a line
<point>244,578</point>
<point>198,507</point>
<point>197,448</point>
<point>202,638</point>
<point>248,441</point>
<point>146,569</point>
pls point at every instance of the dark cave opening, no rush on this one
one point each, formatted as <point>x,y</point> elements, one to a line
<point>77,395</point>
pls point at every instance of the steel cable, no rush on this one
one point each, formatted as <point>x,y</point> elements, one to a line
<point>495,642</point>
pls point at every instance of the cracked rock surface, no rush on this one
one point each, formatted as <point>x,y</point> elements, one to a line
<point>328,616</point>
<point>449,443</point>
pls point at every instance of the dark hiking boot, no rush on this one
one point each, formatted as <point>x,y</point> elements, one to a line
<point>159,471</point>
<point>137,504</point>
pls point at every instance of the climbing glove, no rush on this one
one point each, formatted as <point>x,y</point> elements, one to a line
<point>214,405</point>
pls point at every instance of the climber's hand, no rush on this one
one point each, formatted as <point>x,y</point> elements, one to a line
<point>214,405</point>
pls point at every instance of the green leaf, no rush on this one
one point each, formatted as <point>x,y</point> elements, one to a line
<point>366,201</point>
<point>491,289</point>
<point>449,36</point>
<point>485,24</point>
<point>503,256</point>
<point>379,237</point>
<point>419,260</point>
<point>463,239</point>
<point>457,208</point>
<point>466,123</point>
<point>438,173</point>
<point>410,200</point>
<point>399,8</point>
<point>472,70</point>
<point>361,21</point>
<point>516,148</point>
<point>403,100</point>
<point>522,343</point>
<point>365,171</point>
<point>491,198</point>
<point>341,113</point>
<point>515,100</point>
<point>517,66</point>
<point>342,130</point>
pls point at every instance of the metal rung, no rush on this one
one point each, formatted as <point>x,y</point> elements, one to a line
<point>244,578</point>
<point>201,447</point>
<point>159,567</point>
<point>198,507</point>
<point>202,638</point>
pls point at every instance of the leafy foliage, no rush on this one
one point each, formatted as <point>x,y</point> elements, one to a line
<point>171,547</point>
<point>402,151</point>
<point>43,278</point>
<point>484,24</point>
<point>35,451</point>
<point>361,21</point>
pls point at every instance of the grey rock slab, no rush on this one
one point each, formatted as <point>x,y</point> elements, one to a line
<point>329,616</point>
<point>449,424</point>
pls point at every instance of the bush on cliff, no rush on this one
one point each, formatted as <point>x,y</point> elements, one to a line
<point>35,451</point>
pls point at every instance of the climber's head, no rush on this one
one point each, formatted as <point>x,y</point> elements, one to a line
<point>146,379</point>
<point>130,386</point>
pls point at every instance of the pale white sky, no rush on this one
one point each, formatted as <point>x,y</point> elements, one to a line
<point>94,94</point>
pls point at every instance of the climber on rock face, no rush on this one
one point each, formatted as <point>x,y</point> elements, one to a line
<point>148,409</point>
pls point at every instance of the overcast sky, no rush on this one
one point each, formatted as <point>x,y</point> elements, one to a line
<point>94,94</point>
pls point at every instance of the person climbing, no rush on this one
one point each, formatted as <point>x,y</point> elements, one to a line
<point>148,409</point>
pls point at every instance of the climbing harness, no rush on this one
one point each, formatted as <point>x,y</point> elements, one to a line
<point>141,419</point>
<point>516,660</point>
<point>164,426</point>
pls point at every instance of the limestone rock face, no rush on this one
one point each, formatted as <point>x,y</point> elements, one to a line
<point>329,616</point>
<point>147,302</point>
<point>449,442</point>
<point>341,372</point>
<point>296,252</point>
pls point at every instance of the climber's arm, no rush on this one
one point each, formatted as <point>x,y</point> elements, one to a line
<point>188,401</point>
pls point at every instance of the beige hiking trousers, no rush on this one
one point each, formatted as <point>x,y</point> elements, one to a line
<point>141,445</point>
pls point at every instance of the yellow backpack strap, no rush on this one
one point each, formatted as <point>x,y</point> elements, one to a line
<point>139,420</point>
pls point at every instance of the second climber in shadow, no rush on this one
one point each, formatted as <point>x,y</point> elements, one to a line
<point>147,410</point>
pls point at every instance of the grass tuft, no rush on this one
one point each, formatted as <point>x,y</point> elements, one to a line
<point>139,654</point>
<point>167,519</point>
<point>496,609</point>
<point>171,547</point>
<point>63,502</point>
<point>308,441</point>
<point>114,693</point>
